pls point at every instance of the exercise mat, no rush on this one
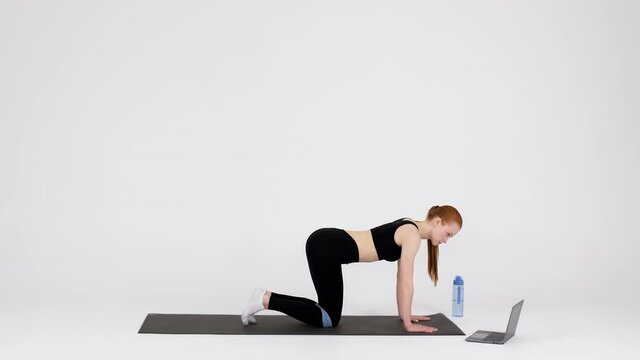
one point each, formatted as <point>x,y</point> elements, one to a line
<point>285,325</point>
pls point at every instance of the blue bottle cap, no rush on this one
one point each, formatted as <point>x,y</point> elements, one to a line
<point>458,280</point>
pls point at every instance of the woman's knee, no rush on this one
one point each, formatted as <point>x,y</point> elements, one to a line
<point>329,319</point>
<point>335,319</point>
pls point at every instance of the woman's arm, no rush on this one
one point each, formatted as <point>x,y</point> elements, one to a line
<point>398,291</point>
<point>404,286</point>
<point>404,279</point>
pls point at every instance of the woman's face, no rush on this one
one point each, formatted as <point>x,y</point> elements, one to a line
<point>440,233</point>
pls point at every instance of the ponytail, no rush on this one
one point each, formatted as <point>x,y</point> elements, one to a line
<point>447,214</point>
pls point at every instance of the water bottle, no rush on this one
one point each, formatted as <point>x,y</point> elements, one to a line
<point>458,296</point>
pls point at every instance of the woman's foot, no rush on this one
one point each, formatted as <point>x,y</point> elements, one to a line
<point>255,305</point>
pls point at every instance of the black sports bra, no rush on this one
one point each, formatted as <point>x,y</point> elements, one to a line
<point>386,247</point>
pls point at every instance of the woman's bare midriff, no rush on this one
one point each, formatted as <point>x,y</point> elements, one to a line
<point>366,249</point>
<point>364,240</point>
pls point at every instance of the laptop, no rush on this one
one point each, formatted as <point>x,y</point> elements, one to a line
<point>493,337</point>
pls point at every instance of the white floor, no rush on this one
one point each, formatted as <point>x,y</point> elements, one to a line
<point>108,331</point>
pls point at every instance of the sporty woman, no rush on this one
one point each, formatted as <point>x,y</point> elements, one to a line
<point>328,248</point>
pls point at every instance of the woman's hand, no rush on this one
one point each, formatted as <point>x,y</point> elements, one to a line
<point>419,328</point>
<point>416,318</point>
<point>411,327</point>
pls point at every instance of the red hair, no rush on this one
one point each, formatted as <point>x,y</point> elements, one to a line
<point>447,214</point>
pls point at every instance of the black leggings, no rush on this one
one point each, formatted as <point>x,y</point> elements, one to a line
<point>327,249</point>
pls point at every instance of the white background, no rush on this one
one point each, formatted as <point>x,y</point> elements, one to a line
<point>169,157</point>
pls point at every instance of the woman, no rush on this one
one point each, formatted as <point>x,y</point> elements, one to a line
<point>329,248</point>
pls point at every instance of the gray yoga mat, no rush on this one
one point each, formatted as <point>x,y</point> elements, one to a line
<point>284,325</point>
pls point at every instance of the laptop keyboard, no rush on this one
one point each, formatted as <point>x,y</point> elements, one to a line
<point>494,337</point>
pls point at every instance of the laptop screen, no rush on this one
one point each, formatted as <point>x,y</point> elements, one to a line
<point>513,320</point>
